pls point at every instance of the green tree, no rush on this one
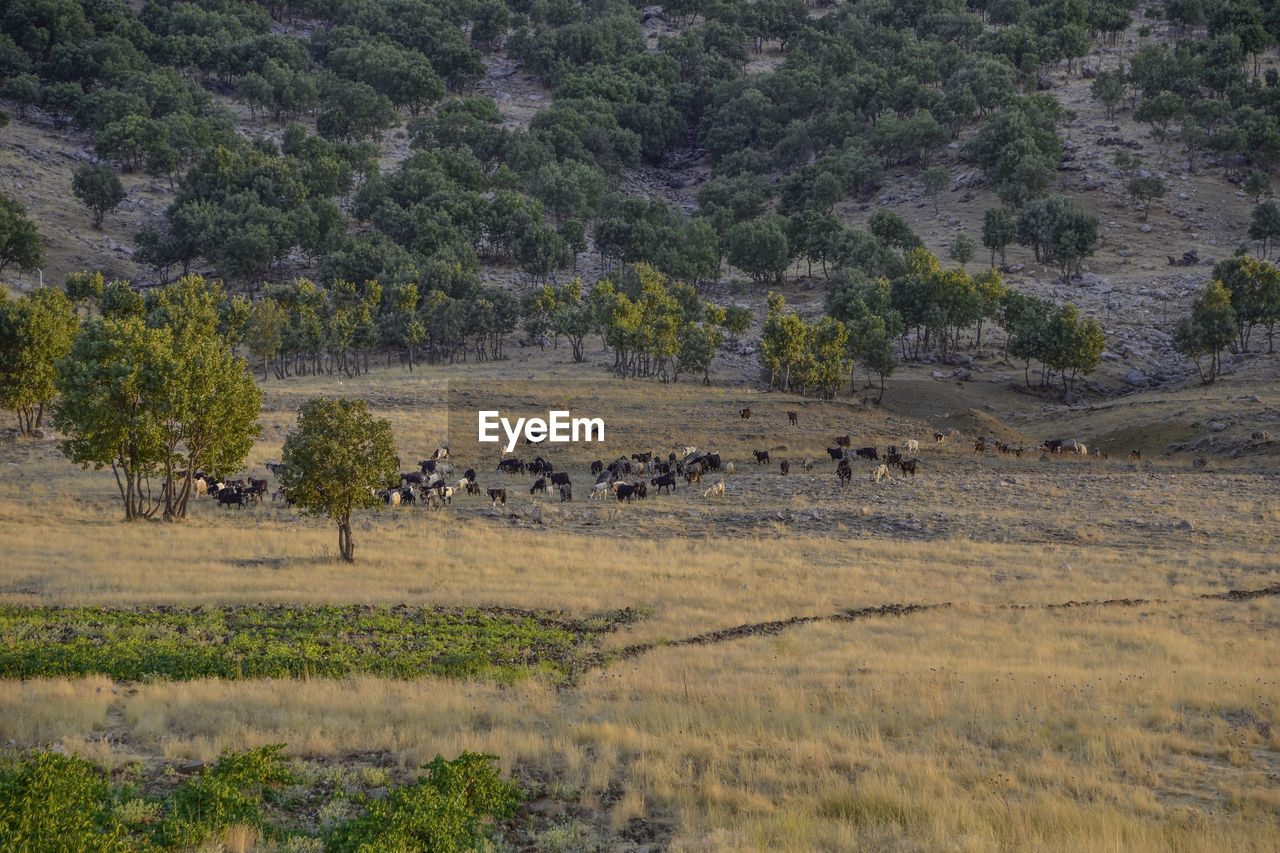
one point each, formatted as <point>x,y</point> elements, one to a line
<point>99,189</point>
<point>1258,184</point>
<point>20,242</point>
<point>108,383</point>
<point>157,395</point>
<point>1160,112</point>
<point>1265,224</point>
<point>1107,89</point>
<point>1073,344</point>
<point>1209,328</point>
<point>1146,190</point>
<point>1025,320</point>
<point>208,403</point>
<point>892,230</point>
<point>961,249</point>
<point>998,230</point>
<point>1255,294</point>
<point>759,247</point>
<point>783,342</point>
<point>35,331</point>
<point>335,461</point>
<point>877,351</point>
<point>934,180</point>
<point>1058,231</point>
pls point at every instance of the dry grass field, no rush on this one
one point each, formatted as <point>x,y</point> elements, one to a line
<point>1077,682</point>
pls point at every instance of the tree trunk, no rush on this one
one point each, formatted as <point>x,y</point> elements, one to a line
<point>346,548</point>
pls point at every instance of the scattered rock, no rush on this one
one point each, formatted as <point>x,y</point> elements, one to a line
<point>1135,378</point>
<point>1260,435</point>
<point>1186,525</point>
<point>1217,426</point>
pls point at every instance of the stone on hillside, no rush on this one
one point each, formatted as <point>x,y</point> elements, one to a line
<point>1186,525</point>
<point>1217,426</point>
<point>1136,379</point>
<point>1145,229</point>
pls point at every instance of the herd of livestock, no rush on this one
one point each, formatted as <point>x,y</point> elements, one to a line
<point>625,478</point>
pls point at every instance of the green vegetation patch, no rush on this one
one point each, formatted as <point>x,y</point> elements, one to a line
<point>288,641</point>
<point>52,802</point>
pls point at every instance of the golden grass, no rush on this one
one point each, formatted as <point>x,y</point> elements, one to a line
<point>977,726</point>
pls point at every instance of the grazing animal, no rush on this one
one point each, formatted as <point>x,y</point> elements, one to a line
<point>745,414</point>
<point>1135,455</point>
<point>276,468</point>
<point>201,485</point>
<point>686,452</point>
<point>844,440</point>
<point>427,466</point>
<point>566,493</point>
<point>836,453</point>
<point>893,458</point>
<point>980,446</point>
<point>473,488</point>
<point>761,456</point>
<point>881,473</point>
<point>462,484</point>
<point>539,485</point>
<point>908,466</point>
<point>716,491</point>
<point>1054,445</point>
<point>231,496</point>
<point>793,418</point>
<point>666,481</point>
<point>785,467</point>
<point>844,472</point>
<point>693,475</point>
<point>498,496</point>
<point>938,437</point>
<point>728,469</point>
<point>626,490</point>
<point>597,467</point>
<point>911,445</point>
<point>867,453</point>
<point>417,478</point>
<point>434,500</point>
<point>511,465</point>
<point>441,452</point>
<point>470,474</point>
<point>598,490</point>
<point>408,496</point>
<point>560,479</point>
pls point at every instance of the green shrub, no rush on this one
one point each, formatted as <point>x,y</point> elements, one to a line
<point>447,810</point>
<point>52,802</point>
